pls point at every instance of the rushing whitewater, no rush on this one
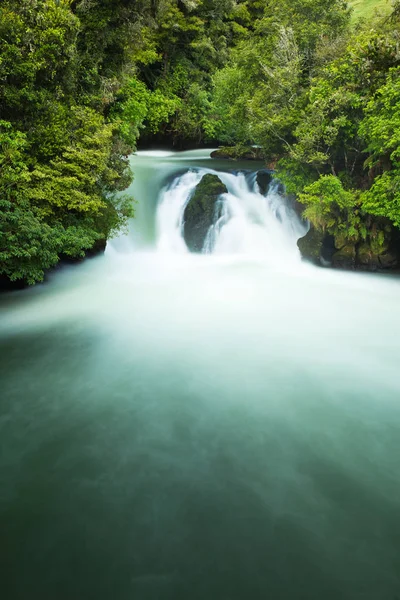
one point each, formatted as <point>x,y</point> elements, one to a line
<point>223,425</point>
<point>246,223</point>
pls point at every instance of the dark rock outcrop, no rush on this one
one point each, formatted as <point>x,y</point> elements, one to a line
<point>323,249</point>
<point>311,245</point>
<point>264,178</point>
<point>345,258</point>
<point>368,259</point>
<point>200,211</point>
<point>389,260</point>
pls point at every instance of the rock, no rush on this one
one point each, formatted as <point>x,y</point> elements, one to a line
<point>311,245</point>
<point>344,258</point>
<point>340,240</point>
<point>328,250</point>
<point>389,260</point>
<point>200,211</point>
<point>367,259</point>
<point>238,153</point>
<point>99,247</point>
<point>264,179</point>
<point>297,206</point>
<point>223,153</point>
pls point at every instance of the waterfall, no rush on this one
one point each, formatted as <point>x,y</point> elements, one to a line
<point>246,222</point>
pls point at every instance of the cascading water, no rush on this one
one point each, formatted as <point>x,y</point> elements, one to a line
<point>223,425</point>
<point>246,222</point>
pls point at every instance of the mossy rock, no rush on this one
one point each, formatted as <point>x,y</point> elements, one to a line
<point>200,211</point>
<point>311,245</point>
<point>238,153</point>
<point>367,258</point>
<point>340,241</point>
<point>345,258</point>
<point>388,260</point>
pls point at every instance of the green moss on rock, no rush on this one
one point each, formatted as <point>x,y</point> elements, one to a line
<point>388,260</point>
<point>200,211</point>
<point>311,245</point>
<point>345,258</point>
<point>367,258</point>
<point>239,153</point>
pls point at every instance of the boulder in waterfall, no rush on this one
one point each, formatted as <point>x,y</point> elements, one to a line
<point>200,211</point>
<point>264,179</point>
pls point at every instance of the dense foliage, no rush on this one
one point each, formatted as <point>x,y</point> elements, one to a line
<point>82,80</point>
<point>61,162</point>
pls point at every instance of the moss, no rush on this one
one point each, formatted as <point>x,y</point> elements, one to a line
<point>340,240</point>
<point>239,153</point>
<point>345,258</point>
<point>311,245</point>
<point>388,260</point>
<point>200,211</point>
<point>367,258</point>
<point>379,241</point>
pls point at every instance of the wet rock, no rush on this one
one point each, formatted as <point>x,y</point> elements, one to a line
<point>264,179</point>
<point>367,259</point>
<point>200,210</point>
<point>345,258</point>
<point>389,260</point>
<point>311,245</point>
<point>99,247</point>
<point>297,206</point>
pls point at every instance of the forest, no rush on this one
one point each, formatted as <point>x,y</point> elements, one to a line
<point>313,84</point>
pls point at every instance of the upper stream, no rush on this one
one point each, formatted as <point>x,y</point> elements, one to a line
<point>220,426</point>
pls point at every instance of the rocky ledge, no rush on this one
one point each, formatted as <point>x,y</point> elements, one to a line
<point>325,250</point>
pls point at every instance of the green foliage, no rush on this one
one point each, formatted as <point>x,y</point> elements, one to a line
<point>331,208</point>
<point>346,141</point>
<point>136,108</point>
<point>61,163</point>
<point>260,95</point>
<point>381,131</point>
<point>27,244</point>
<point>80,178</point>
<point>383,198</point>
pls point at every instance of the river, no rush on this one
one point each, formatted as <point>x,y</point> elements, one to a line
<point>223,426</point>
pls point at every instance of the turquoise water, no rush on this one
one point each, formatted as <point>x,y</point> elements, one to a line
<point>199,427</point>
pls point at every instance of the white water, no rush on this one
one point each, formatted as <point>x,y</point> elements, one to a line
<point>246,223</point>
<point>223,425</point>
